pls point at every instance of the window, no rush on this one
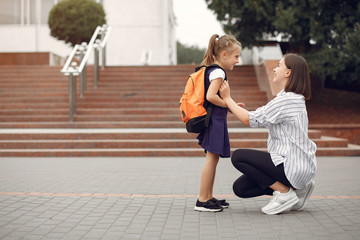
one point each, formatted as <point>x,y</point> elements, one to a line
<point>24,12</point>
<point>46,6</point>
<point>10,12</point>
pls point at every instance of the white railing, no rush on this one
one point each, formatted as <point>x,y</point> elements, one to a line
<point>81,53</point>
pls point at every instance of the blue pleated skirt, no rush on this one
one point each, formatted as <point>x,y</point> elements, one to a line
<point>215,138</point>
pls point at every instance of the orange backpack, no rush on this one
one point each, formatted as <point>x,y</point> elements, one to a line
<point>192,109</point>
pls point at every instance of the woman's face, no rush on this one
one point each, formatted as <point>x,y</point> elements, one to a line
<point>281,73</point>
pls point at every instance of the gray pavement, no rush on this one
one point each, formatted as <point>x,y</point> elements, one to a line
<point>153,198</point>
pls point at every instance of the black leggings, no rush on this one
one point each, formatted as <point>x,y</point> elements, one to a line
<point>259,172</point>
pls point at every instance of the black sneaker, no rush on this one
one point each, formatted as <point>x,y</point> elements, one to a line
<point>223,203</point>
<point>208,206</point>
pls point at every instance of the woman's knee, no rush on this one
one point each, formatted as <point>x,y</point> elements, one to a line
<point>237,156</point>
<point>239,159</point>
<point>238,190</point>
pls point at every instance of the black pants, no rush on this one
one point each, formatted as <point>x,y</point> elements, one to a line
<point>259,172</point>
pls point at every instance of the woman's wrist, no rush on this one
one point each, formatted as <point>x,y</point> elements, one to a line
<point>227,100</point>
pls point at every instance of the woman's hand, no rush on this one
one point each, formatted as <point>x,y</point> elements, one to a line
<point>225,90</point>
<point>236,108</point>
<point>212,93</point>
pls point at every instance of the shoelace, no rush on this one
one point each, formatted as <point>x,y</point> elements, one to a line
<point>215,204</point>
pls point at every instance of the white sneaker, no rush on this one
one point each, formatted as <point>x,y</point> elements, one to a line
<point>303,195</point>
<point>280,202</point>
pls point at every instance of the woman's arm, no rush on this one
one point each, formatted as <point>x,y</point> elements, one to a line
<point>241,113</point>
<point>212,95</point>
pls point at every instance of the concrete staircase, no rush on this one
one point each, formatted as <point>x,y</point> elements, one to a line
<point>133,112</point>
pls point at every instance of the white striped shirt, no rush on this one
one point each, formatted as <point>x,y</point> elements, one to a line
<point>286,118</point>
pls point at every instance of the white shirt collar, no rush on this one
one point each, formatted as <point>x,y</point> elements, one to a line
<point>281,93</point>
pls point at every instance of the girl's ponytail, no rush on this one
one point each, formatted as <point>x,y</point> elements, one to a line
<point>209,56</point>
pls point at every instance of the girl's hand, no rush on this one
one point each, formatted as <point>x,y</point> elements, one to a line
<point>225,90</point>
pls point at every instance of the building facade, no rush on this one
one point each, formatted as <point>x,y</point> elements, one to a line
<point>143,31</point>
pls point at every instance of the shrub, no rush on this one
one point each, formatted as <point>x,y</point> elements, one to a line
<point>74,21</point>
<point>189,54</point>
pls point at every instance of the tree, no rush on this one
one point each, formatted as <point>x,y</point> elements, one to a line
<point>189,54</point>
<point>74,21</point>
<point>326,32</point>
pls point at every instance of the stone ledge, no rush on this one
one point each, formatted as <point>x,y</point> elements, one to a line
<point>31,58</point>
<point>347,131</point>
<point>264,75</point>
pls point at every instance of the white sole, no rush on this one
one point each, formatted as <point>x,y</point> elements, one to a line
<point>202,209</point>
<point>282,208</point>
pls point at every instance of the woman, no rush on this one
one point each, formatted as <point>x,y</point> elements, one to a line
<point>287,169</point>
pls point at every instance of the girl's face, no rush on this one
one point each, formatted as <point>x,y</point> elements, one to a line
<point>230,59</point>
<point>281,73</point>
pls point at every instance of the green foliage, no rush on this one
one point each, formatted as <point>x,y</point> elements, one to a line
<point>247,20</point>
<point>326,32</point>
<point>74,21</point>
<point>189,54</point>
<point>339,66</point>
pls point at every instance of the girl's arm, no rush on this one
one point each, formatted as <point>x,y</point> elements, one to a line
<point>241,113</point>
<point>212,95</point>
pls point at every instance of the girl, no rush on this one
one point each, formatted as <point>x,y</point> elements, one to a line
<point>224,52</point>
<point>290,162</point>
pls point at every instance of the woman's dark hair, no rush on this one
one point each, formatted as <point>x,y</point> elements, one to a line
<point>299,81</point>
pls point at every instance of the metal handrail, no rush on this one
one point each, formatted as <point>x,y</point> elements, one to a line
<point>66,69</point>
<point>83,51</point>
<point>89,48</point>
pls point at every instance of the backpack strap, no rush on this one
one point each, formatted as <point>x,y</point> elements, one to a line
<point>216,65</point>
<point>210,105</point>
<point>198,68</point>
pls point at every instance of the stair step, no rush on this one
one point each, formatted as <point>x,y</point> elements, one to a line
<point>105,124</point>
<point>144,143</point>
<point>129,133</point>
<point>141,152</point>
<point>123,143</point>
<point>84,105</point>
